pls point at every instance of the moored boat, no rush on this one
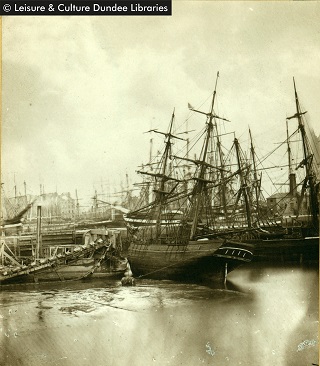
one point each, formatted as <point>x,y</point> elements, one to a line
<point>97,256</point>
<point>176,246</point>
<point>296,237</point>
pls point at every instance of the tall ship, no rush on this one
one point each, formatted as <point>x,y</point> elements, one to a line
<point>293,216</point>
<point>172,233</point>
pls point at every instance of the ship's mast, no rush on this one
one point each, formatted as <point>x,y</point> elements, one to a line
<point>161,193</point>
<point>309,181</point>
<point>222,175</point>
<point>289,150</point>
<point>292,176</point>
<point>255,177</point>
<point>298,115</point>
<point>200,180</point>
<point>243,188</point>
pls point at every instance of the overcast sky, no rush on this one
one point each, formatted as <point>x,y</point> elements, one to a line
<point>79,92</point>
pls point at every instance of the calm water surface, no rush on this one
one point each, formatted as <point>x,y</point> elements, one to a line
<point>266,315</point>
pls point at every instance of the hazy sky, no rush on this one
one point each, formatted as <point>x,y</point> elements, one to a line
<point>78,92</point>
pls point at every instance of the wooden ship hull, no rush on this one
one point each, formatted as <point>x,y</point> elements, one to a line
<point>197,261</point>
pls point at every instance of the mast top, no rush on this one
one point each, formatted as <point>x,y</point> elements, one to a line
<point>211,114</point>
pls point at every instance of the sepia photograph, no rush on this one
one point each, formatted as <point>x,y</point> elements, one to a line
<point>160,185</point>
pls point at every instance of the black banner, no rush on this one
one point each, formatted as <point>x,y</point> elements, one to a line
<point>90,7</point>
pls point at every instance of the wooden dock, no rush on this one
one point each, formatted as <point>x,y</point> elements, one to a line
<point>56,249</point>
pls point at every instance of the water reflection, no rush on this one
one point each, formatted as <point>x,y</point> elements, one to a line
<point>266,315</point>
<point>286,301</point>
<point>40,314</point>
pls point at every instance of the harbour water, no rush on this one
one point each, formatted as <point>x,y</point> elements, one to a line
<point>264,315</point>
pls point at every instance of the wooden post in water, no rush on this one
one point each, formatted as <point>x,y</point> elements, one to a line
<point>225,273</point>
<point>38,247</point>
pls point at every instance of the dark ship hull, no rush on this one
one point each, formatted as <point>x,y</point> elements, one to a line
<point>286,249</point>
<point>197,261</point>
